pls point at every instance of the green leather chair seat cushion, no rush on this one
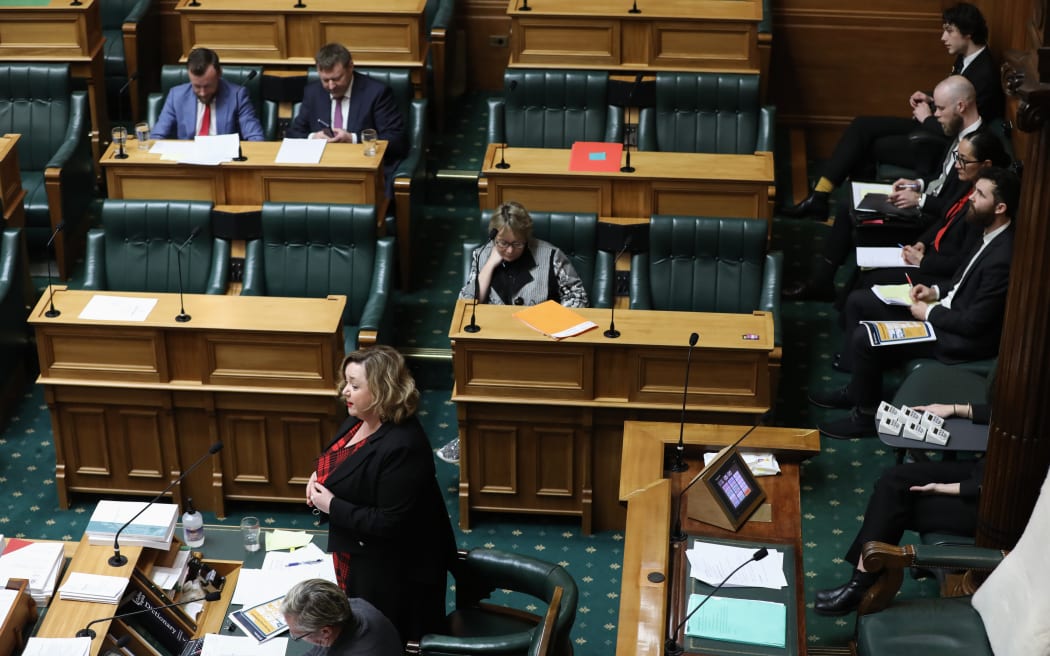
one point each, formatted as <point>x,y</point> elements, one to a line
<point>980,367</point>
<point>924,627</point>
<point>936,382</point>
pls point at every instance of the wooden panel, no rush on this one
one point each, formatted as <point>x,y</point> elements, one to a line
<point>555,447</point>
<point>246,459</point>
<point>567,197</point>
<point>713,378</point>
<point>32,35</point>
<point>142,435</point>
<point>301,440</point>
<point>562,373</point>
<point>265,361</point>
<point>86,446</point>
<point>724,46</point>
<point>709,200</point>
<point>134,355</point>
<point>386,38</point>
<point>589,42</point>
<point>166,183</point>
<point>257,36</point>
<point>497,449</point>
<point>306,188</point>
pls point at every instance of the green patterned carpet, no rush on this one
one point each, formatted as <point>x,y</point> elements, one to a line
<point>835,485</point>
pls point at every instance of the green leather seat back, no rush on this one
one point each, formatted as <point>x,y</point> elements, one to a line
<point>113,13</point>
<point>704,113</point>
<point>313,250</point>
<point>703,264</point>
<point>35,102</point>
<point>141,239</point>
<point>923,627</point>
<point>553,109</point>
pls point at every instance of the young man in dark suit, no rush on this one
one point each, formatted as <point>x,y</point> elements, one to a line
<point>343,104</point>
<point>885,138</point>
<point>967,316</point>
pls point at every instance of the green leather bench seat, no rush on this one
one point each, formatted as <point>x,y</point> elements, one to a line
<point>924,627</point>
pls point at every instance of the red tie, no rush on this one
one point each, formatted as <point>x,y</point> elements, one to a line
<point>337,113</point>
<point>205,122</point>
<point>949,219</point>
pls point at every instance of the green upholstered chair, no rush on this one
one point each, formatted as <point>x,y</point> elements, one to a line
<point>136,249</point>
<point>706,264</point>
<point>129,27</point>
<point>706,113</point>
<point>576,235</point>
<point>439,16</point>
<point>313,250</point>
<point>476,627</point>
<point>37,102</point>
<point>14,331</point>
<point>410,176</point>
<point>172,76</point>
<point>553,109</point>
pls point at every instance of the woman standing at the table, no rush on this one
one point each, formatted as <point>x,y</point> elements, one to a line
<point>375,486</point>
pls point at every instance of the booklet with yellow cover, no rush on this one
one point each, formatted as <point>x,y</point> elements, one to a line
<point>554,320</point>
<point>889,333</point>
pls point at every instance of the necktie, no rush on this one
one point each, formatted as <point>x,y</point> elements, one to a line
<point>337,113</point>
<point>205,122</point>
<point>949,219</point>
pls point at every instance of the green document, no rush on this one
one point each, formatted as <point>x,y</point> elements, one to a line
<point>738,620</point>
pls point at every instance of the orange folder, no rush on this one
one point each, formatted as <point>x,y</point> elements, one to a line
<point>554,320</point>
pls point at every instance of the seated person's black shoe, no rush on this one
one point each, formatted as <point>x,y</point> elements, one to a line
<point>841,600</point>
<point>855,424</point>
<point>809,291</point>
<point>831,398</point>
<point>814,206</point>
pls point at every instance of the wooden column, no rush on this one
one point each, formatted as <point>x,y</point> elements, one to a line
<point>1019,439</point>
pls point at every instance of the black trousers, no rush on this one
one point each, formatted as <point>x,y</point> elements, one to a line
<point>868,139</point>
<point>893,508</point>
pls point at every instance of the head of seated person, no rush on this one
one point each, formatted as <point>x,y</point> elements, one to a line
<point>318,612</point>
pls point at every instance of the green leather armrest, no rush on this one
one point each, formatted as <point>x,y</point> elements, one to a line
<point>220,266</point>
<point>76,131</point>
<point>95,260</point>
<point>769,299</point>
<point>412,165</point>
<point>767,117</point>
<point>956,557</point>
<point>640,295</point>
<point>439,645</point>
<point>154,103</point>
<point>253,282</point>
<point>442,19</point>
<point>614,123</point>
<point>603,293</point>
<point>375,316</point>
<point>138,11</point>
<point>9,249</point>
<point>468,258</point>
<point>496,131</point>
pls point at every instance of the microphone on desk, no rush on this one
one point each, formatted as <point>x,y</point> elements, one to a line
<point>612,333</point>
<point>627,168</point>
<point>503,146</point>
<point>182,317</point>
<point>525,6</point>
<point>634,8</point>
<point>120,95</point>
<point>119,560</point>
<point>671,647</point>
<point>88,632</point>
<point>52,312</point>
<point>677,534</point>
<point>473,327</point>
<point>679,462</point>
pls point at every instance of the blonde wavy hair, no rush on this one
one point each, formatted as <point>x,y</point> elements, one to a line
<point>394,393</point>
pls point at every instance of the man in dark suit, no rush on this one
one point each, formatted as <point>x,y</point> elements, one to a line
<point>966,317</point>
<point>207,104</point>
<point>885,138</point>
<point>342,104</point>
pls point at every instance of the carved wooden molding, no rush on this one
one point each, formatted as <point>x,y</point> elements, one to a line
<point>1026,75</point>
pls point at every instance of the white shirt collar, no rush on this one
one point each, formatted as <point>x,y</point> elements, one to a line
<point>968,59</point>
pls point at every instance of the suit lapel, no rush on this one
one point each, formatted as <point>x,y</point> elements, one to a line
<point>351,464</point>
<point>354,116</point>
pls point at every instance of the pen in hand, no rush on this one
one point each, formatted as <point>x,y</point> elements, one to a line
<point>908,278</point>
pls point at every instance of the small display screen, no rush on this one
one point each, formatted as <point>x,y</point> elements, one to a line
<point>735,486</point>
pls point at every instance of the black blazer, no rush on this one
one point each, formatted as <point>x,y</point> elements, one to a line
<point>972,328</point>
<point>958,241</point>
<point>388,506</point>
<point>984,74</point>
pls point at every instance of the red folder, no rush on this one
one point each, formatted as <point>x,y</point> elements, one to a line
<point>595,156</point>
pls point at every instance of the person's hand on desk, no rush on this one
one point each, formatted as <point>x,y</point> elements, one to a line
<point>339,135</point>
<point>318,496</point>
<point>913,254</point>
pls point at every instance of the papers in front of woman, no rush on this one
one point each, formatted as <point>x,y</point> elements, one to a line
<point>890,333</point>
<point>280,571</point>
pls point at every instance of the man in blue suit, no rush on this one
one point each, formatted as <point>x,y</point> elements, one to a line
<point>207,104</point>
<point>342,104</point>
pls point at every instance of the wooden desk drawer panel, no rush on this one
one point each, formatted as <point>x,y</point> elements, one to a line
<point>30,35</point>
<point>146,183</point>
<point>533,373</point>
<point>725,46</point>
<point>116,354</point>
<point>380,38</point>
<point>715,379</point>
<point>566,42</point>
<point>268,362</point>
<point>744,201</point>
<point>236,37</point>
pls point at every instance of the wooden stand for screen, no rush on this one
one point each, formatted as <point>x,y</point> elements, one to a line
<point>705,505</point>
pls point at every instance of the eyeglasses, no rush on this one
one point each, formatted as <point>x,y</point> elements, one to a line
<point>962,160</point>
<point>513,245</point>
<point>297,638</point>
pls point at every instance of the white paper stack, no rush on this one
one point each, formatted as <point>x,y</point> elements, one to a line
<point>711,563</point>
<point>154,528</point>
<point>223,645</point>
<point>38,562</point>
<point>98,588</point>
<point>57,647</point>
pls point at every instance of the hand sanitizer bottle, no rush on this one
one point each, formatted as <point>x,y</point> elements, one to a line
<point>192,526</point>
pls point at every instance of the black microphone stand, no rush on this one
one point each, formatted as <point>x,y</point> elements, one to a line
<point>671,647</point>
<point>182,317</point>
<point>118,559</point>
<point>627,168</point>
<point>634,8</point>
<point>88,632</point>
<point>612,333</point>
<point>525,6</point>
<point>473,326</point>
<point>679,460</point>
<point>502,163</point>
<point>52,312</point>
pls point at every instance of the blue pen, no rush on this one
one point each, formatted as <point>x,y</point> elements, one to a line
<point>306,562</point>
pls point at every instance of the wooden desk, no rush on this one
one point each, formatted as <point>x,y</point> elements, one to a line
<point>668,35</point>
<point>60,33</point>
<point>134,403</point>
<point>344,175</point>
<point>12,195</point>
<point>541,422</point>
<point>649,607</point>
<point>694,184</point>
<point>275,33</point>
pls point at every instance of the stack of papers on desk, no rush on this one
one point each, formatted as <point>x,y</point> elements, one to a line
<point>57,647</point>
<point>710,563</point>
<point>280,571</point>
<point>205,151</point>
<point>747,621</point>
<point>154,528</point>
<point>98,588</point>
<point>38,562</point>
<point>223,645</point>
<point>300,151</point>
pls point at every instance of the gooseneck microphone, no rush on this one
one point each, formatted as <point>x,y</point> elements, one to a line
<point>88,632</point>
<point>502,164</point>
<point>612,333</point>
<point>677,534</point>
<point>118,559</point>
<point>182,317</point>
<point>52,312</point>
<point>671,647</point>
<point>473,326</point>
<point>627,168</point>
<point>120,95</point>
<point>679,461</point>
